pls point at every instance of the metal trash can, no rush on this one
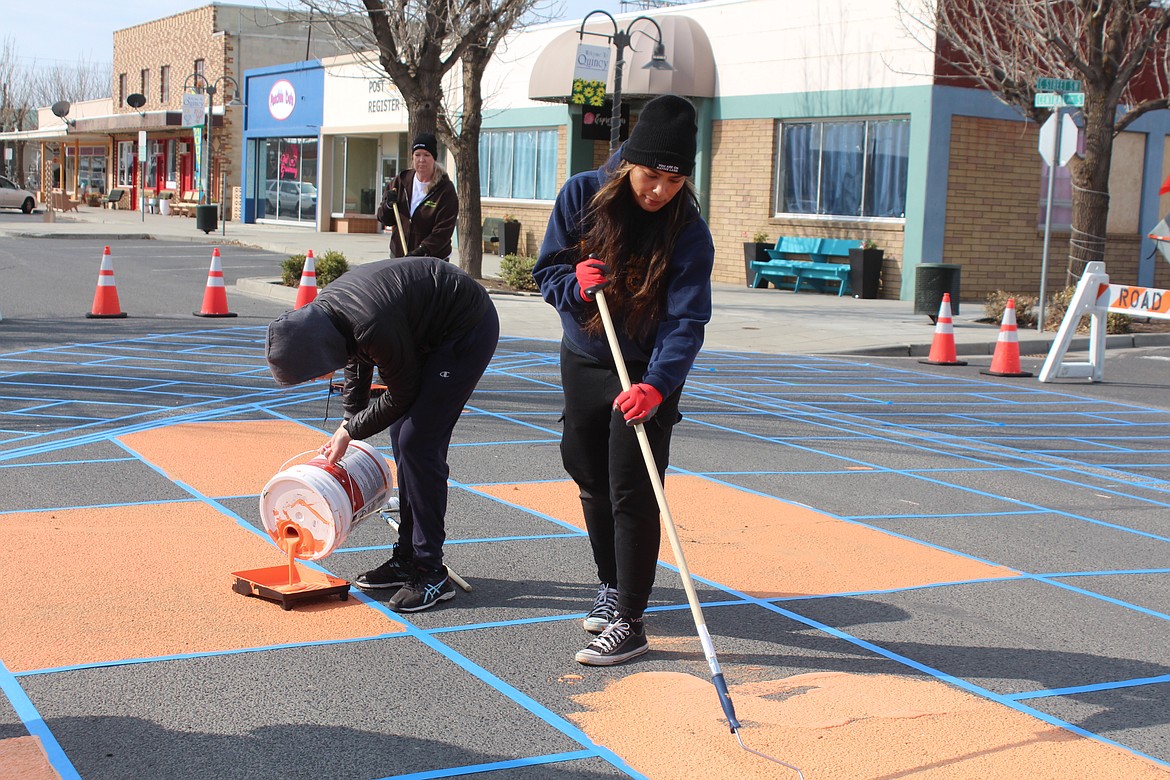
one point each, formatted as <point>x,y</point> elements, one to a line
<point>931,280</point>
<point>205,217</point>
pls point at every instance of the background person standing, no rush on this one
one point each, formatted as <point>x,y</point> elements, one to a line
<point>427,204</point>
<point>633,226</point>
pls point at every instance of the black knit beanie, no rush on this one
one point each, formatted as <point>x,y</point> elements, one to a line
<point>665,136</point>
<point>425,141</point>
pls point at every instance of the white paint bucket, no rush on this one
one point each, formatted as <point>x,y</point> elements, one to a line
<point>313,506</point>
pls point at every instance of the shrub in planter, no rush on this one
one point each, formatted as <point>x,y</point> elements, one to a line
<point>1025,316</point>
<point>1058,305</point>
<point>328,266</point>
<point>516,270</point>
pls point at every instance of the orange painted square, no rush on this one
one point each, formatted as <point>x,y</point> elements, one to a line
<point>769,548</point>
<point>127,582</point>
<point>225,458</point>
<point>23,758</point>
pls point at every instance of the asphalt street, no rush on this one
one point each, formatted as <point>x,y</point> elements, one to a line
<point>855,518</point>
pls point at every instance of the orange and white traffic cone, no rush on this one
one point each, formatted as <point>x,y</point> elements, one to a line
<point>1006,360</point>
<point>105,297</point>
<point>307,291</point>
<point>214,295</point>
<point>942,348</point>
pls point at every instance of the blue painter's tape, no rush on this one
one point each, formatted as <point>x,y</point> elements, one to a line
<point>36,725</point>
<point>492,766</point>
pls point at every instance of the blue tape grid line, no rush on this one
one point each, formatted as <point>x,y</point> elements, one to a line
<point>32,720</point>
<point>795,417</point>
<point>539,710</point>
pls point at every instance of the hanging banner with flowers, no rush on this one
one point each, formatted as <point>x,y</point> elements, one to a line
<point>198,172</point>
<point>589,75</point>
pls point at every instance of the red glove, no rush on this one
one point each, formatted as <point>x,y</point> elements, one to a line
<point>639,403</point>
<point>591,276</point>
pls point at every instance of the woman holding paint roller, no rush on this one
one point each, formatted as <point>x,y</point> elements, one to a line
<point>633,228</point>
<point>431,330</point>
<point>420,205</point>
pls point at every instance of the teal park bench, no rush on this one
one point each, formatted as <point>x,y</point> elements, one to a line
<point>817,270</point>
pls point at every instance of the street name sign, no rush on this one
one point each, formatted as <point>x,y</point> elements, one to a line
<point>1058,85</point>
<point>1059,99</point>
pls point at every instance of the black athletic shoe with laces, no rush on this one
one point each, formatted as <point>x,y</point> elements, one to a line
<point>604,608</point>
<point>617,643</point>
<point>425,589</point>
<point>394,573</point>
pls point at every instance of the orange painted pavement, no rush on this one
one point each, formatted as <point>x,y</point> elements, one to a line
<point>769,548</point>
<point>225,458</point>
<point>838,726</point>
<point>23,758</point>
<point>115,583</point>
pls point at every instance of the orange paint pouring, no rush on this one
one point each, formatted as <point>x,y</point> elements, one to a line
<point>279,583</point>
<point>838,726</point>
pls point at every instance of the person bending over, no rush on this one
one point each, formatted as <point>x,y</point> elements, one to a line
<point>431,330</point>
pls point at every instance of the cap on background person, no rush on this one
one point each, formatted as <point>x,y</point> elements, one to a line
<point>426,142</point>
<point>665,137</point>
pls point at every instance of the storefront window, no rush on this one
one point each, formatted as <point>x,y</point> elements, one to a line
<point>87,166</point>
<point>518,164</point>
<point>355,175</point>
<point>172,164</point>
<point>126,163</point>
<point>289,185</point>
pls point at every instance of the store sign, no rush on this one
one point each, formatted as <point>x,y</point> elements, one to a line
<point>358,97</point>
<point>589,74</point>
<point>282,99</point>
<point>595,122</point>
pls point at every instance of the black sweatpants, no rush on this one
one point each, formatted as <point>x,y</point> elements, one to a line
<point>601,454</point>
<point>421,437</point>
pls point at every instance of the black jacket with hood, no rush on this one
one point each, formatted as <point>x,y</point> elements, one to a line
<point>390,314</point>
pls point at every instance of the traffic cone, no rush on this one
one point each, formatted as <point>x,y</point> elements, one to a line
<point>1006,360</point>
<point>105,297</point>
<point>307,292</point>
<point>214,294</point>
<point>942,348</point>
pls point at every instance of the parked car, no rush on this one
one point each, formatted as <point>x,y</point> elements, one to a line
<point>13,197</point>
<point>294,197</point>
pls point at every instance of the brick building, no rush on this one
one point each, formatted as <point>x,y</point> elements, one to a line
<point>828,120</point>
<point>200,53</point>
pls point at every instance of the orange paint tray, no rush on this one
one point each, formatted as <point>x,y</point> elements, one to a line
<point>288,585</point>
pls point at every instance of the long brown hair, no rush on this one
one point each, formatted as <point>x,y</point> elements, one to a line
<point>637,246</point>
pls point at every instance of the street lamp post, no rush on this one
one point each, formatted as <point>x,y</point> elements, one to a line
<point>621,39</point>
<point>198,81</point>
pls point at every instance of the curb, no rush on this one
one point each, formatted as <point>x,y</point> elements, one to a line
<point>1034,346</point>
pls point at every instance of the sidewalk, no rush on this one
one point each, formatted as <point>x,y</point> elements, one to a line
<point>746,320</point>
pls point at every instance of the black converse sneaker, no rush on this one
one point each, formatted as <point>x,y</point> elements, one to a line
<point>604,608</point>
<point>394,573</point>
<point>424,590</point>
<point>620,641</point>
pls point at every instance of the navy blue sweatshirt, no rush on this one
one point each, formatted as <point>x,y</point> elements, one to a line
<point>670,350</point>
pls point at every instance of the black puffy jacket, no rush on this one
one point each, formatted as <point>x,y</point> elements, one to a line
<point>393,313</point>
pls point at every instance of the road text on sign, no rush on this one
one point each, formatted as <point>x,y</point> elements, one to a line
<point>1139,301</point>
<point>1054,100</point>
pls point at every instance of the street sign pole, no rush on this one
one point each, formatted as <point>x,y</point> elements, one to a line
<point>1050,156</point>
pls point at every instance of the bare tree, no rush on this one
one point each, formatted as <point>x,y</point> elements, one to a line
<point>25,87</point>
<point>417,43</point>
<point>1116,48</point>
